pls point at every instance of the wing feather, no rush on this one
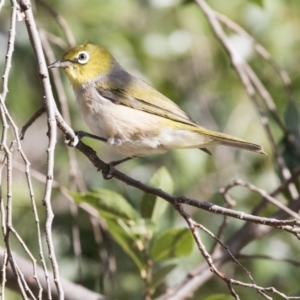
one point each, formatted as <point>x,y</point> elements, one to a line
<point>154,102</point>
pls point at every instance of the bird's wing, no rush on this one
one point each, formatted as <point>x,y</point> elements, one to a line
<point>153,102</point>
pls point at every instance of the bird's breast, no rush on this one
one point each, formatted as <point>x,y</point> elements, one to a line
<point>136,129</point>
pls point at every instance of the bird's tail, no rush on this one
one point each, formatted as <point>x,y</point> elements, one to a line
<point>231,141</point>
<point>237,143</point>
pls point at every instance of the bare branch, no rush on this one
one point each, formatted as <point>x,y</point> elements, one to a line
<point>174,200</point>
<point>61,22</point>
<point>251,83</point>
<point>261,192</point>
<point>35,116</point>
<point>72,291</point>
<point>261,51</point>
<point>50,106</point>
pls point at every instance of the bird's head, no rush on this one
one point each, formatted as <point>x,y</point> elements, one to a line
<point>84,63</point>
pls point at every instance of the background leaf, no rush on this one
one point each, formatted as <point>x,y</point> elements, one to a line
<point>172,243</point>
<point>258,2</point>
<point>153,207</point>
<point>108,203</point>
<point>160,275</point>
<point>114,209</point>
<point>126,240</point>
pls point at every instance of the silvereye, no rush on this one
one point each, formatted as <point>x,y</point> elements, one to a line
<point>130,114</point>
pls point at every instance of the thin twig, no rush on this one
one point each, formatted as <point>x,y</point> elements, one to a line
<point>224,191</point>
<point>226,248</point>
<point>35,116</point>
<point>1,4</point>
<point>263,52</point>
<point>10,48</point>
<point>50,106</point>
<point>249,79</point>
<point>75,176</point>
<point>72,291</point>
<point>193,225</point>
<point>56,40</point>
<point>75,173</point>
<point>267,257</point>
<point>108,169</point>
<point>202,249</point>
<point>7,216</point>
<point>61,21</point>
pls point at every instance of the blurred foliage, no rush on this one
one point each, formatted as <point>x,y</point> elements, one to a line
<point>132,232</point>
<point>170,44</point>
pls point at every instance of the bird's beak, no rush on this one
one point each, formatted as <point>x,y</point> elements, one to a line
<point>60,64</point>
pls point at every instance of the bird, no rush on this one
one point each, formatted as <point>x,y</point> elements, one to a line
<point>128,113</point>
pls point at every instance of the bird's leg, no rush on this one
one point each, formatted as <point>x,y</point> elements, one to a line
<point>117,162</point>
<point>114,163</point>
<point>80,134</point>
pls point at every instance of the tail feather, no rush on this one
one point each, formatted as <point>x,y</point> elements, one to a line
<point>231,141</point>
<point>243,145</point>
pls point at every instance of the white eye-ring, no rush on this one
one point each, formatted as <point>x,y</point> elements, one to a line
<point>83,57</point>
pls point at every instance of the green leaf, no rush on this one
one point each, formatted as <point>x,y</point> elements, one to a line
<point>160,275</point>
<point>116,211</point>
<point>108,203</point>
<point>126,240</point>
<point>258,2</point>
<point>143,227</point>
<point>153,207</point>
<point>172,243</point>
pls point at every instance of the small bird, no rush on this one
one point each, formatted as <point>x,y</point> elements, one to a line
<point>128,113</point>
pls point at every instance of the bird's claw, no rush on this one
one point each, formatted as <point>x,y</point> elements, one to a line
<point>107,175</point>
<point>74,142</point>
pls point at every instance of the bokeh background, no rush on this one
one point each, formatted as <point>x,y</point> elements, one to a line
<point>170,44</point>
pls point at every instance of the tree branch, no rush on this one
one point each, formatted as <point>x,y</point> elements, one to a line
<point>72,291</point>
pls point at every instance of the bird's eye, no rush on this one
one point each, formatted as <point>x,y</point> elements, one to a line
<point>83,57</point>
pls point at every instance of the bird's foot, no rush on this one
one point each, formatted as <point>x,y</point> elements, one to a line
<point>111,166</point>
<point>82,134</point>
<point>79,135</point>
<point>72,142</point>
